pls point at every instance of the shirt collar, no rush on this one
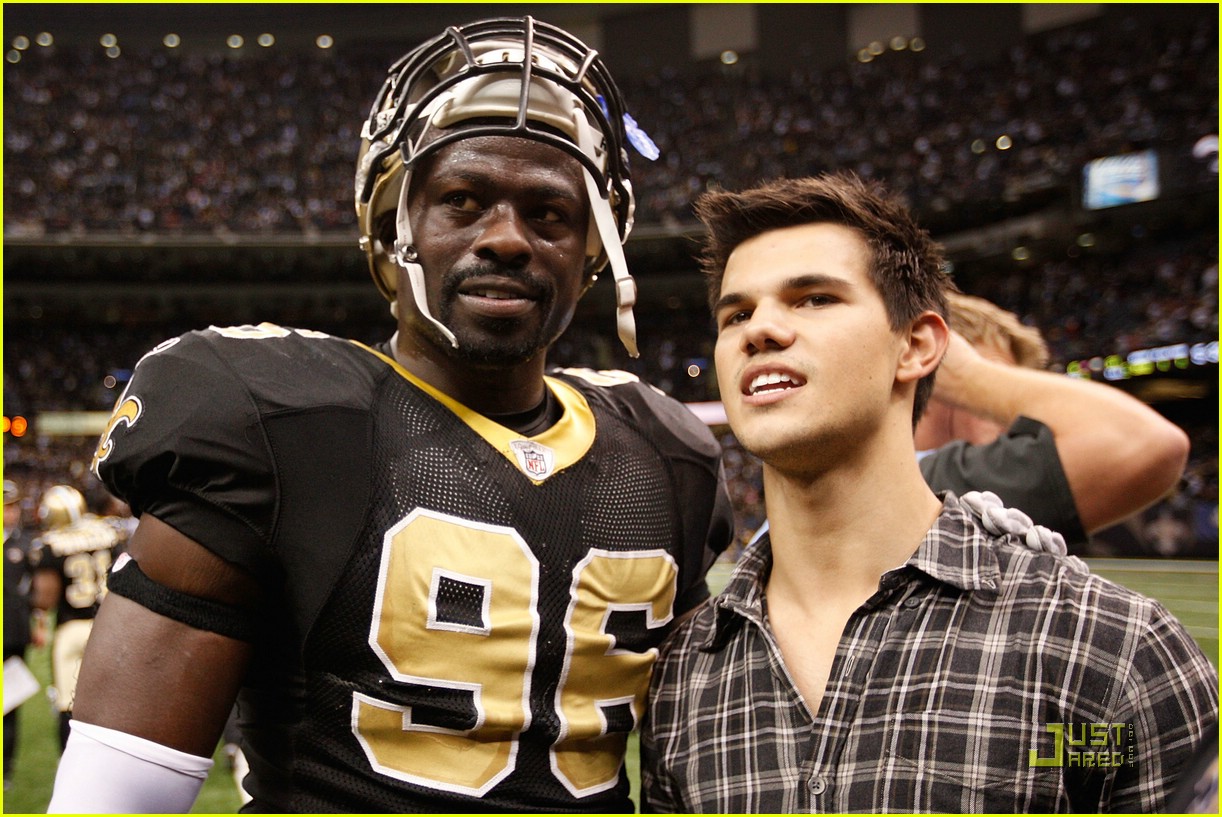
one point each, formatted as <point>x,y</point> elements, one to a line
<point>743,596</point>
<point>955,551</point>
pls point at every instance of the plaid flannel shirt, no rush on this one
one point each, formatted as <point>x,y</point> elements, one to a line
<point>947,693</point>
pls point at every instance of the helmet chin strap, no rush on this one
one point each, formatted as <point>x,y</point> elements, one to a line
<point>604,219</point>
<point>405,256</point>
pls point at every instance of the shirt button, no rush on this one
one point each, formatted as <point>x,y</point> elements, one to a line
<point>912,601</point>
<point>818,786</point>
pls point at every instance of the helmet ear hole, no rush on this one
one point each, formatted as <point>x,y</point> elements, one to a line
<point>384,228</point>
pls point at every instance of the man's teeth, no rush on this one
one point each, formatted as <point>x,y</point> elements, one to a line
<point>494,294</point>
<point>767,381</point>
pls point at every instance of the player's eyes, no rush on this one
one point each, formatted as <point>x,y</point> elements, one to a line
<point>462,201</point>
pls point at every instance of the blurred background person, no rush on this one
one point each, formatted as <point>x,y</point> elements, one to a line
<point>18,633</point>
<point>1112,457</point>
<point>72,557</point>
<point>998,335</point>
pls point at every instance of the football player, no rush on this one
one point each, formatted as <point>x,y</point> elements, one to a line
<point>72,557</point>
<point>433,575</point>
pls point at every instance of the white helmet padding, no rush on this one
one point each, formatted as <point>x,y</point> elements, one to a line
<point>517,77</point>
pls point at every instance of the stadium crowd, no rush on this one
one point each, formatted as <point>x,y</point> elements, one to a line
<point>165,143</point>
<point>150,142</point>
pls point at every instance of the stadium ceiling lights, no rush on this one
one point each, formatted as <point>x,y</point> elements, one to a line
<point>896,43</point>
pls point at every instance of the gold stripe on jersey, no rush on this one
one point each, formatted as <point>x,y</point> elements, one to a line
<point>568,440</point>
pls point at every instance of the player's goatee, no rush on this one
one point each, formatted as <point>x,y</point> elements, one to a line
<point>494,346</point>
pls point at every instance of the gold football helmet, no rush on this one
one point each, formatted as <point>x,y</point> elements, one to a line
<point>61,505</point>
<point>507,77</point>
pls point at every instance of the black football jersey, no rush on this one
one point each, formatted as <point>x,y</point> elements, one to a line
<point>458,618</point>
<point>81,553</point>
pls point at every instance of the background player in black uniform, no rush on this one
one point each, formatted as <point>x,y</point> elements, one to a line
<point>437,575</point>
<point>17,630</point>
<point>72,557</point>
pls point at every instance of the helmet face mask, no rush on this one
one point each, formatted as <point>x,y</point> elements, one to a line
<point>504,77</point>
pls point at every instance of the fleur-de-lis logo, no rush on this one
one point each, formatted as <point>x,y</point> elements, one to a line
<point>126,413</point>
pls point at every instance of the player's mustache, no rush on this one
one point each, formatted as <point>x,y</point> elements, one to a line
<point>541,288</point>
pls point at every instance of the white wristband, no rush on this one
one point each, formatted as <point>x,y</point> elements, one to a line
<point>104,771</point>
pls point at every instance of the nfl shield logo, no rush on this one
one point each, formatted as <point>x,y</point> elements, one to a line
<point>535,460</point>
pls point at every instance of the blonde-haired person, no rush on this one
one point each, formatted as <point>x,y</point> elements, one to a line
<point>1088,450</point>
<point>998,335</point>
<point>985,324</point>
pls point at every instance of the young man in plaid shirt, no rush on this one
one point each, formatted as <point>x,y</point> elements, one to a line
<point>881,649</point>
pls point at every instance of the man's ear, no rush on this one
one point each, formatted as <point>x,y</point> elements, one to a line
<point>925,344</point>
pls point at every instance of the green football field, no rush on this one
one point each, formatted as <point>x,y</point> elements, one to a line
<point>1188,589</point>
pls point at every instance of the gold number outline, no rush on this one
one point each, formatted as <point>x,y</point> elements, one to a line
<point>363,705</point>
<point>601,762</point>
<point>601,765</point>
<point>85,578</point>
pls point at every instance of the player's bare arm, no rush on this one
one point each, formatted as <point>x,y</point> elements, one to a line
<point>140,666</point>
